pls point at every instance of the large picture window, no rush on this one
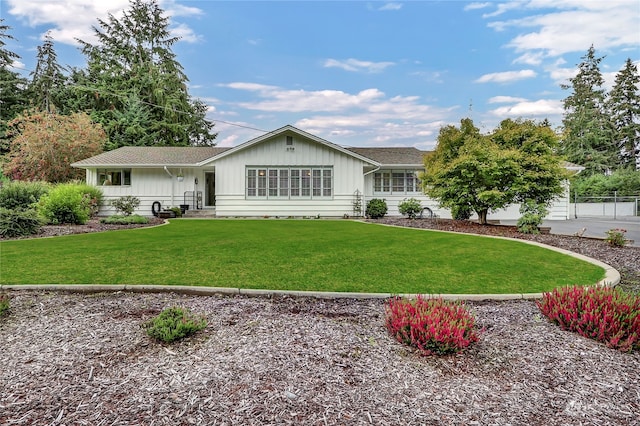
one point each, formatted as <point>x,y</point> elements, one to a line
<point>396,182</point>
<point>114,177</point>
<point>277,182</point>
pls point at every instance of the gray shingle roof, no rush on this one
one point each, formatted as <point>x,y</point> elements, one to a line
<point>391,156</point>
<point>146,156</point>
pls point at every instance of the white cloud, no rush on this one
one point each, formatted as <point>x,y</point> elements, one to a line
<point>564,26</point>
<point>542,108</point>
<point>174,9</point>
<point>505,100</point>
<point>391,6</point>
<point>17,66</point>
<point>185,33</point>
<point>283,100</point>
<point>506,77</point>
<point>356,65</point>
<point>529,58</point>
<point>370,113</point>
<point>475,6</point>
<point>73,19</point>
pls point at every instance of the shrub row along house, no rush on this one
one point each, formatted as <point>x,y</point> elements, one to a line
<point>284,173</point>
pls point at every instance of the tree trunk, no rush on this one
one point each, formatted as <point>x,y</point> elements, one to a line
<point>482,217</point>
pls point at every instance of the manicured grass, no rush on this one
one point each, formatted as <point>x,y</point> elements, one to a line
<point>320,255</point>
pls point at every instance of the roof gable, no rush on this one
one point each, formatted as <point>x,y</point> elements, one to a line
<point>288,129</point>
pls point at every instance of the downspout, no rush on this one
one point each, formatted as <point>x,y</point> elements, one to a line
<point>171,176</point>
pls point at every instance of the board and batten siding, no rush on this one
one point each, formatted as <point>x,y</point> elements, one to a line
<point>231,199</point>
<point>148,185</point>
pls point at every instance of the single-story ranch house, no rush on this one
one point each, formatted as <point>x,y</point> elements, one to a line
<point>284,173</point>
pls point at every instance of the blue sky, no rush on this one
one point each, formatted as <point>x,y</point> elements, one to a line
<point>362,73</point>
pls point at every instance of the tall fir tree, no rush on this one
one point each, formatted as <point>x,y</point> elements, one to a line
<point>588,133</point>
<point>47,80</point>
<point>624,109</point>
<point>137,89</point>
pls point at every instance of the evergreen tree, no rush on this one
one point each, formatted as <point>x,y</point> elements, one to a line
<point>13,99</point>
<point>48,80</point>
<point>624,108</point>
<point>136,87</point>
<point>588,138</point>
<point>6,56</point>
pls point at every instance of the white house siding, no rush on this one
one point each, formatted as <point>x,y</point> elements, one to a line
<point>231,199</point>
<point>559,209</point>
<point>393,199</point>
<point>148,185</point>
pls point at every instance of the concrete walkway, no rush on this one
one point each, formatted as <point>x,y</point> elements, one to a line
<point>594,227</point>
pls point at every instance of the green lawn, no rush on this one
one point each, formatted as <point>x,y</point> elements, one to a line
<point>321,255</point>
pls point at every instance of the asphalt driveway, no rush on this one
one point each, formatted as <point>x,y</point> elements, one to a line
<point>593,227</point>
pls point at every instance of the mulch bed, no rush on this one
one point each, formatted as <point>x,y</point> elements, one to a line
<point>84,359</point>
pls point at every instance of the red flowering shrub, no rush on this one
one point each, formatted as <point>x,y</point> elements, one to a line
<point>605,314</point>
<point>434,326</point>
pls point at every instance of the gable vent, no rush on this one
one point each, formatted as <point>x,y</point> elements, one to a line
<point>289,140</point>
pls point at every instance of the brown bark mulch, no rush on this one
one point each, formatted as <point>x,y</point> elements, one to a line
<point>78,359</point>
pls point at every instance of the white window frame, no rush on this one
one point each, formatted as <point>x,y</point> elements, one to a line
<point>396,181</point>
<point>114,177</point>
<point>303,182</point>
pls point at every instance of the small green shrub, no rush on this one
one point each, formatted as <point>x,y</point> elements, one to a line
<point>462,212</point>
<point>434,326</point>
<point>532,216</point>
<point>616,237</point>
<point>376,208</point>
<point>411,208</point>
<point>71,203</point>
<point>604,314</point>
<point>21,195</point>
<point>19,222</point>
<point>127,204</point>
<point>174,324</point>
<point>4,304</point>
<point>125,220</point>
<point>176,210</point>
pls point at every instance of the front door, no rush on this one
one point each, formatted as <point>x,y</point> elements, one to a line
<point>210,189</point>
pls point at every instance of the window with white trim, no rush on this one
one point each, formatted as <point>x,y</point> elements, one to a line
<point>290,182</point>
<point>396,182</point>
<point>114,177</point>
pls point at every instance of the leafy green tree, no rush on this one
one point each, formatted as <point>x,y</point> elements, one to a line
<point>515,163</point>
<point>626,182</point>
<point>48,80</point>
<point>13,97</point>
<point>135,86</point>
<point>588,133</point>
<point>624,108</point>
<point>45,144</point>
